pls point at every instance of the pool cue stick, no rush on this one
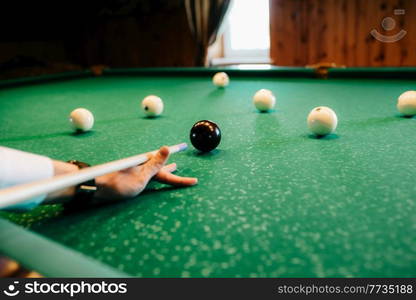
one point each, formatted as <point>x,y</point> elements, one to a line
<point>20,193</point>
<point>49,257</point>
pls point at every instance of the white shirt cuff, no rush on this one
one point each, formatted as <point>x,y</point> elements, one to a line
<point>18,167</point>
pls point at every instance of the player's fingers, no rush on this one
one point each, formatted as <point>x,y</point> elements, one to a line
<point>138,169</point>
<point>169,178</point>
<point>156,163</point>
<point>170,168</point>
<point>138,177</point>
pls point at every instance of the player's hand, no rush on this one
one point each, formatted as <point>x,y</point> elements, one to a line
<point>132,181</point>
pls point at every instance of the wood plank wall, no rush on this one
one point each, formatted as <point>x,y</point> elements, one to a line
<point>155,33</point>
<point>161,39</point>
<point>310,31</point>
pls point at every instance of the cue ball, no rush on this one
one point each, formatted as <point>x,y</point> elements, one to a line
<point>81,119</point>
<point>322,121</point>
<point>205,135</point>
<point>406,104</point>
<point>221,79</point>
<point>152,106</point>
<point>264,100</point>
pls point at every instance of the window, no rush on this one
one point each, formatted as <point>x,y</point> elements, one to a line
<point>246,36</point>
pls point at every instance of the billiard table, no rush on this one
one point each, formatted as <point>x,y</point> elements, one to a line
<point>272,199</point>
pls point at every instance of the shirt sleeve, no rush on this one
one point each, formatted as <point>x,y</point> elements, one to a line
<point>18,167</point>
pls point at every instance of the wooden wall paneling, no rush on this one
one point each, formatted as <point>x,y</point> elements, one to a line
<point>149,41</point>
<point>376,51</point>
<point>330,24</point>
<point>299,13</point>
<point>409,50</point>
<point>150,33</point>
<point>403,48</point>
<point>362,35</point>
<point>321,22</point>
<point>334,23</point>
<point>393,50</point>
<point>309,31</point>
<point>400,49</point>
<point>350,27</point>
<point>279,11</point>
<point>284,48</point>
<point>311,13</point>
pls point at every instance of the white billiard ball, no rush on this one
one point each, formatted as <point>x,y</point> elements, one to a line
<point>81,119</point>
<point>406,104</point>
<point>221,79</point>
<point>322,121</point>
<point>152,106</point>
<point>264,100</point>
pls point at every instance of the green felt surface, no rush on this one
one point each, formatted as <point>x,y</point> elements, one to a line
<point>271,201</point>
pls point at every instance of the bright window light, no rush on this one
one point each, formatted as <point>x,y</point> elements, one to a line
<point>246,38</point>
<point>249,25</point>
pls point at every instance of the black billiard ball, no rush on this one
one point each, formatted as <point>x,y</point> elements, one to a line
<point>205,135</point>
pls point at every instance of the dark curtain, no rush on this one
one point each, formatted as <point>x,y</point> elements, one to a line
<point>205,18</point>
